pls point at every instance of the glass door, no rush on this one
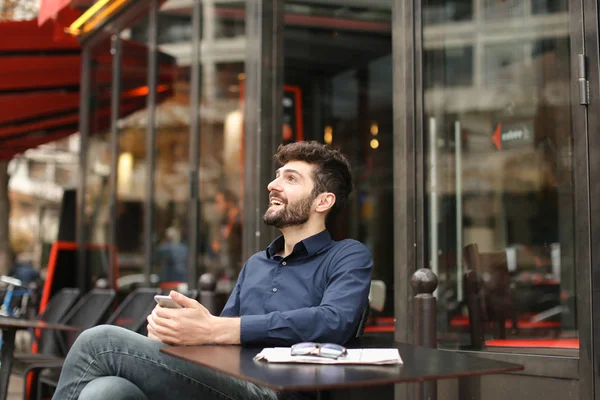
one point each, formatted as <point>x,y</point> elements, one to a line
<point>337,90</point>
<point>498,144</point>
<point>505,151</point>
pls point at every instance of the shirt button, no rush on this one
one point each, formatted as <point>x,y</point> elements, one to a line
<point>284,263</point>
<point>274,289</point>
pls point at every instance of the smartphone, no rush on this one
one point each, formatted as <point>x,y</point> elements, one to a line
<point>166,301</point>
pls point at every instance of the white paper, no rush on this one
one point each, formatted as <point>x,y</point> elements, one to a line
<point>354,356</point>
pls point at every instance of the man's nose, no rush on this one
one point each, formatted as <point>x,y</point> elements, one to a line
<point>274,185</point>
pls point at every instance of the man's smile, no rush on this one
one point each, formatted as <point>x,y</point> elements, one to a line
<point>275,201</point>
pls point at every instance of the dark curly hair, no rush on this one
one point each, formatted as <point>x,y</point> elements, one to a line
<point>331,172</point>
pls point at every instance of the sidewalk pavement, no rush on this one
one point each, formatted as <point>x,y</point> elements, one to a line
<point>15,388</point>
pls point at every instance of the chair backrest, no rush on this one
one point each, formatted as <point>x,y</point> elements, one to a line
<point>133,310</point>
<point>89,311</point>
<point>364,316</point>
<point>56,309</point>
<point>486,284</point>
<point>59,305</point>
<point>377,294</point>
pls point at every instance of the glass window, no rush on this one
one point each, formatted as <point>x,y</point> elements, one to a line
<point>227,81</point>
<point>132,159</point>
<point>221,140</point>
<point>220,148</point>
<point>220,188</point>
<point>499,184</point>
<point>501,61</point>
<point>503,10</point>
<point>457,70</point>
<point>97,192</point>
<point>338,76</point>
<point>174,26</point>
<point>549,6</point>
<point>225,19</point>
<point>441,11</point>
<point>171,173</point>
<point>221,166</point>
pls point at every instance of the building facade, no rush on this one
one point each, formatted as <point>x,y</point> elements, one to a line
<point>466,122</point>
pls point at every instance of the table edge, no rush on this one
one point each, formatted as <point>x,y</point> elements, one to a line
<point>52,326</point>
<point>379,382</point>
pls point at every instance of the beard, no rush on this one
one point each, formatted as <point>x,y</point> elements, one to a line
<point>290,214</point>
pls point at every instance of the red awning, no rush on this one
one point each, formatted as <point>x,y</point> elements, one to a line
<point>50,8</point>
<point>39,85</point>
<point>55,9</point>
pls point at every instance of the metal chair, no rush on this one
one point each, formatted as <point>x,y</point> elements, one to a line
<point>56,310</point>
<point>487,301</point>
<point>132,312</point>
<point>89,311</point>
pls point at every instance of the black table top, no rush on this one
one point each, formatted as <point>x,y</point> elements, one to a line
<point>16,323</point>
<point>420,364</point>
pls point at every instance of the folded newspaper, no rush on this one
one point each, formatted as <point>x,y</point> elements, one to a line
<point>354,356</point>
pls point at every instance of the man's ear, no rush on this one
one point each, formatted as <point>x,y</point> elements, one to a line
<point>325,202</point>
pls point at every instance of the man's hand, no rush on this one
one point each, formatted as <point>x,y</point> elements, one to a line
<point>191,325</point>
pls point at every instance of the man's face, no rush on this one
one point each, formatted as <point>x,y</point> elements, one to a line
<point>290,195</point>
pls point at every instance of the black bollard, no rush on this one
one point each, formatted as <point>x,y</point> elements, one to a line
<point>424,282</point>
<point>34,300</point>
<point>208,297</point>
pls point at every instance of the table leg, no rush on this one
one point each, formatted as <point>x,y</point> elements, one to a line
<point>426,390</point>
<point>469,388</point>
<point>6,357</point>
<point>324,395</point>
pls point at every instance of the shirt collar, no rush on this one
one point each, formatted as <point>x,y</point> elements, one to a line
<point>311,244</point>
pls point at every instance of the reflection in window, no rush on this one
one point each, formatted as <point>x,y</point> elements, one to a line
<point>504,64</point>
<point>502,10</point>
<point>172,28</point>
<point>551,46</point>
<point>548,6</point>
<point>374,13</point>
<point>439,11</point>
<point>97,190</point>
<point>229,28</point>
<point>499,185</point>
<point>221,172</point>
<point>229,20</point>
<point>227,83</point>
<point>457,65</point>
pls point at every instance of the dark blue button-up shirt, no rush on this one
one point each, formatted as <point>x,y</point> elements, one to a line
<point>315,294</point>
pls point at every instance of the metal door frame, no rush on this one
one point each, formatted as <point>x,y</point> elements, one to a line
<point>409,191</point>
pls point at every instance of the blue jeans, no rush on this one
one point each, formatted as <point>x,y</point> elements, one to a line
<point>108,362</point>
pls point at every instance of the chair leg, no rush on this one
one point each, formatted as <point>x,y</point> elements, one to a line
<point>30,377</point>
<point>39,389</point>
<point>25,386</point>
<point>324,395</point>
<point>501,328</point>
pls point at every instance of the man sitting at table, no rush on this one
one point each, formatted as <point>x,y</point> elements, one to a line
<point>304,287</point>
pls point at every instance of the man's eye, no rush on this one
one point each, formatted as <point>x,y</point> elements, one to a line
<point>291,178</point>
